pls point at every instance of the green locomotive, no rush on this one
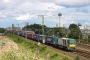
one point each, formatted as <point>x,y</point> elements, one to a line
<point>67,43</point>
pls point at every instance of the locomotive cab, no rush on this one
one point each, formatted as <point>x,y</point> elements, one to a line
<point>71,44</point>
<point>67,43</point>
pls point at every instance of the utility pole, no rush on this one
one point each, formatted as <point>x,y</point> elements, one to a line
<point>53,31</point>
<point>79,37</point>
<point>25,26</point>
<point>18,26</point>
<point>87,34</point>
<point>42,24</point>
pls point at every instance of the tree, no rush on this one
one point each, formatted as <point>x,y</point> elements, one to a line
<point>34,27</point>
<point>74,31</point>
<point>2,30</point>
<point>88,38</point>
<point>56,31</point>
<point>61,32</point>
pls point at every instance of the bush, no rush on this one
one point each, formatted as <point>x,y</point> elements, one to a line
<point>77,57</point>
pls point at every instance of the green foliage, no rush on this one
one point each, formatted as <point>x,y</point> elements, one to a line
<point>43,48</point>
<point>34,27</point>
<point>65,58</point>
<point>2,30</point>
<point>88,38</point>
<point>56,31</point>
<point>85,39</point>
<point>54,55</point>
<point>75,31</point>
<point>62,32</point>
<point>77,57</point>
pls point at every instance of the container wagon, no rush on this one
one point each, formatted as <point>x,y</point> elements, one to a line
<point>42,38</point>
<point>36,37</point>
<point>29,34</point>
<point>51,40</point>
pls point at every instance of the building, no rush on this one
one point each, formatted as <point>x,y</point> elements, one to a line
<point>85,30</point>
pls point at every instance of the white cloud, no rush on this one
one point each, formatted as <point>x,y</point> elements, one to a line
<point>72,22</point>
<point>66,3</point>
<point>86,23</point>
<point>6,1</point>
<point>21,10</point>
<point>49,15</point>
<point>24,17</point>
<point>72,3</point>
<point>2,16</point>
<point>38,6</point>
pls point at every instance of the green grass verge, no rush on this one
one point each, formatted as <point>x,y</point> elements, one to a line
<point>31,48</point>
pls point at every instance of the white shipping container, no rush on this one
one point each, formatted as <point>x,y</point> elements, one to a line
<point>63,42</point>
<point>60,41</point>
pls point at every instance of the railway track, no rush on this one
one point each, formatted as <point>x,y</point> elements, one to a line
<point>82,53</point>
<point>83,45</point>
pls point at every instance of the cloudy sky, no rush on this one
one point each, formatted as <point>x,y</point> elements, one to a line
<point>22,11</point>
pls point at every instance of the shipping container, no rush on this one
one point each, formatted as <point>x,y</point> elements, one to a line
<point>29,34</point>
<point>51,40</point>
<point>63,42</point>
<point>26,33</point>
<point>23,34</point>
<point>18,33</point>
<point>32,35</point>
<point>36,37</point>
<point>42,38</point>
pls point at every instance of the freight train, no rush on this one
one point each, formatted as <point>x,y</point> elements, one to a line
<point>65,43</point>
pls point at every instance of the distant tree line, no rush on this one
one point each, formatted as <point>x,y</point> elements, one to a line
<point>2,30</point>
<point>34,27</point>
<point>72,32</point>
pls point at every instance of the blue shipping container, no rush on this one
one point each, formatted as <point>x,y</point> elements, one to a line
<point>36,37</point>
<point>51,39</point>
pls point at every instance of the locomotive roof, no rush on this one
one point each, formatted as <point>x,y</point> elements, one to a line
<point>65,38</point>
<point>68,38</point>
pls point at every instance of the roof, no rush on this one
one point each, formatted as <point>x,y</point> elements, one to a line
<point>65,38</point>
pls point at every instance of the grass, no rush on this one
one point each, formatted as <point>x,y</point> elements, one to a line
<point>28,51</point>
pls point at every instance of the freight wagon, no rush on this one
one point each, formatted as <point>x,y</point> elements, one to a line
<point>22,33</point>
<point>42,38</point>
<point>36,37</point>
<point>28,34</point>
<point>51,40</point>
